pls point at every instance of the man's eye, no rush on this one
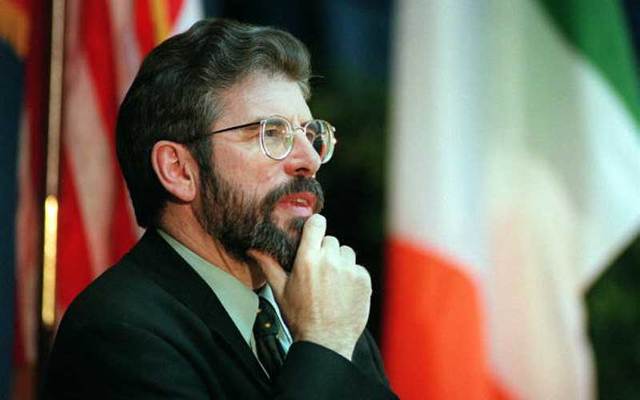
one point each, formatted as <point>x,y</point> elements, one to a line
<point>251,132</point>
<point>272,133</point>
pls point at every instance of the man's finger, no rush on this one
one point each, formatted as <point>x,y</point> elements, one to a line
<point>276,276</point>
<point>312,233</point>
<point>348,254</point>
<point>330,242</point>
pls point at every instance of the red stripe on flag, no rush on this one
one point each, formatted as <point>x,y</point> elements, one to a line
<point>174,7</point>
<point>37,94</point>
<point>74,263</point>
<point>433,345</point>
<point>96,37</point>
<point>144,26</point>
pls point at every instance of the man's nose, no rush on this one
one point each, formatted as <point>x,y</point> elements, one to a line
<point>303,160</point>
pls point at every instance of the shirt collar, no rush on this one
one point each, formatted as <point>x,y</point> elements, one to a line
<point>240,302</point>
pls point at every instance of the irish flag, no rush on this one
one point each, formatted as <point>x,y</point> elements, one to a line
<point>514,181</point>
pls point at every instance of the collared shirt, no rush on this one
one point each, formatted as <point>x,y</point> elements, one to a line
<point>240,302</point>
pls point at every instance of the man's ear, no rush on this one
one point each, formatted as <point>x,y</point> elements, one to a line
<point>176,169</point>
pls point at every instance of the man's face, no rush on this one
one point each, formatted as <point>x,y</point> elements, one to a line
<point>249,201</point>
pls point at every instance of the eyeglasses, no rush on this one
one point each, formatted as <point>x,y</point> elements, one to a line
<point>277,136</point>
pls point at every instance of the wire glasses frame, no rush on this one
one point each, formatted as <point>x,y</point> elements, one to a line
<point>277,136</point>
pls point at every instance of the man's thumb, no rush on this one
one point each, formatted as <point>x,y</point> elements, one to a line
<point>273,272</point>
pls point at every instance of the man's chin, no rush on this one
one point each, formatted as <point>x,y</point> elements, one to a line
<point>292,228</point>
<point>281,244</point>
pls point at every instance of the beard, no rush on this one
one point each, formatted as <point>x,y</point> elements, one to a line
<point>241,223</point>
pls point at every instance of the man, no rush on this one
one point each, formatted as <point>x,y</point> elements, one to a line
<point>234,291</point>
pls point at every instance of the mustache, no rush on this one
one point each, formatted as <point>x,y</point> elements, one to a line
<point>296,185</point>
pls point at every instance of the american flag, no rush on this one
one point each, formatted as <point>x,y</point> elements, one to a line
<point>105,42</point>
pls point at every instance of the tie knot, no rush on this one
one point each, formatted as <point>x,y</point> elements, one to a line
<point>266,320</point>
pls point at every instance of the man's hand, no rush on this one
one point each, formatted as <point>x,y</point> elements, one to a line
<point>327,296</point>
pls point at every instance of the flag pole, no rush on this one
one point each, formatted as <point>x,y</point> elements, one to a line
<point>48,304</point>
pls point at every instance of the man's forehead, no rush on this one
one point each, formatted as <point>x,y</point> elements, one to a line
<point>262,95</point>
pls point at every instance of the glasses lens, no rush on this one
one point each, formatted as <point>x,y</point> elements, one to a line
<point>277,138</point>
<point>320,134</point>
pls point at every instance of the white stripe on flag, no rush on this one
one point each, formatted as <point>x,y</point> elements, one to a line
<point>190,12</point>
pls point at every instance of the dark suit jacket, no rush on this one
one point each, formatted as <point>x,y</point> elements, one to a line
<point>150,327</point>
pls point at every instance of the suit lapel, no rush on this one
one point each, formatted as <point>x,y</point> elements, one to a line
<point>170,271</point>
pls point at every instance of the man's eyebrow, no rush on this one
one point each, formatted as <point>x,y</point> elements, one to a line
<point>250,121</point>
<point>257,119</point>
<point>302,121</point>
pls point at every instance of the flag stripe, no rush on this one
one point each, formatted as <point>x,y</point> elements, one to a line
<point>432,298</point>
<point>187,12</point>
<point>164,15</point>
<point>144,26</point>
<point>599,30</point>
<point>156,20</point>
<point>74,265</point>
<point>174,9</point>
<point>160,17</point>
<point>97,45</point>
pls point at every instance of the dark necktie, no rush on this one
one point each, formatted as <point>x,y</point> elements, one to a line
<point>265,330</point>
